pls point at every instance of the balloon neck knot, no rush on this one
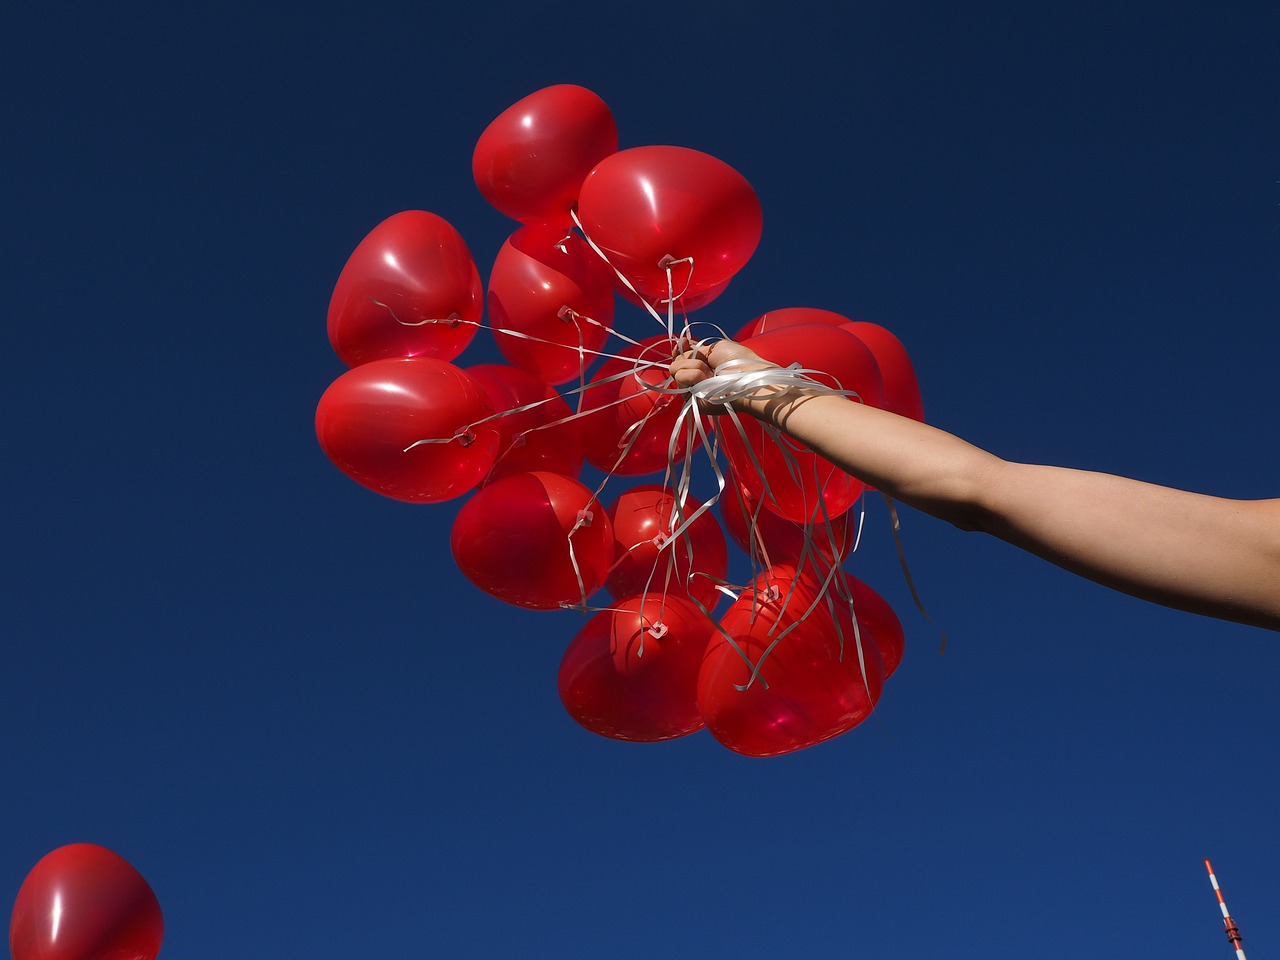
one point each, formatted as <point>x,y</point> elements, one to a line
<point>658,630</point>
<point>770,594</point>
<point>584,518</point>
<point>567,314</point>
<point>466,438</point>
<point>660,540</point>
<point>453,320</point>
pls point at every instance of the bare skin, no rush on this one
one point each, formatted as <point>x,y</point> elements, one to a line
<point>1206,555</point>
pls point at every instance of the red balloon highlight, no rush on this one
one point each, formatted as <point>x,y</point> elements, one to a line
<point>84,902</point>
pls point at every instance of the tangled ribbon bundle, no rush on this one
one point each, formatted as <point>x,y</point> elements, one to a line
<point>796,654</point>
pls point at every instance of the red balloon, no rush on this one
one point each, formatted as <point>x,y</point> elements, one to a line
<point>526,440</point>
<point>647,204</point>
<point>641,520</point>
<point>901,388</point>
<point>878,619</point>
<point>784,540</point>
<point>371,415</point>
<point>535,540</point>
<point>790,317</point>
<point>632,672</point>
<point>817,482</point>
<point>412,267</point>
<point>539,272</point>
<point>619,410</point>
<point>83,902</point>
<point>811,684</point>
<point>531,160</point>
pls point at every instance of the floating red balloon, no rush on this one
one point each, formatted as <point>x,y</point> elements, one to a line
<point>413,268</point>
<point>632,672</point>
<point>790,317</point>
<point>647,561</point>
<point>901,388</point>
<point>84,902</point>
<point>535,540</point>
<point>810,683</point>
<point>369,419</point>
<point>648,205</point>
<point>531,160</point>
<point>555,296</point>
<point>542,437</point>
<point>877,618</point>
<point>898,376</point>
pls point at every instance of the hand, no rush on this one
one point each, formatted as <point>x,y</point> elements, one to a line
<point>692,366</point>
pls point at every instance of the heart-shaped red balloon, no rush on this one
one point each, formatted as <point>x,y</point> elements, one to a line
<point>809,683</point>
<point>901,387</point>
<point>897,375</point>
<point>371,419</point>
<point>646,560</point>
<point>790,317</point>
<point>550,303</point>
<point>536,540</point>
<point>409,289</point>
<point>879,621</point>
<point>632,672</point>
<point>531,160</point>
<point>647,206</point>
<point>84,902</point>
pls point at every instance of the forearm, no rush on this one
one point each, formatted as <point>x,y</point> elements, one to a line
<point>910,461</point>
<point>1204,554</point>
<point>1207,555</point>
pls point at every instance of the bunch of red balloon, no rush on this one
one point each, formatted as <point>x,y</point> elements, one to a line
<point>84,902</point>
<point>802,652</point>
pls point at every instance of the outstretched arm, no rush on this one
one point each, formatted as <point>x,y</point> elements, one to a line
<point>1204,554</point>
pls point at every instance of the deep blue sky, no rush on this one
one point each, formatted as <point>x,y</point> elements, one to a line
<point>270,689</point>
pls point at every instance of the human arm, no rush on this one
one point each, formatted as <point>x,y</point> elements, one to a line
<point>1207,555</point>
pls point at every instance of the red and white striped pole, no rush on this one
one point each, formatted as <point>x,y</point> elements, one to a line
<point>1233,932</point>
